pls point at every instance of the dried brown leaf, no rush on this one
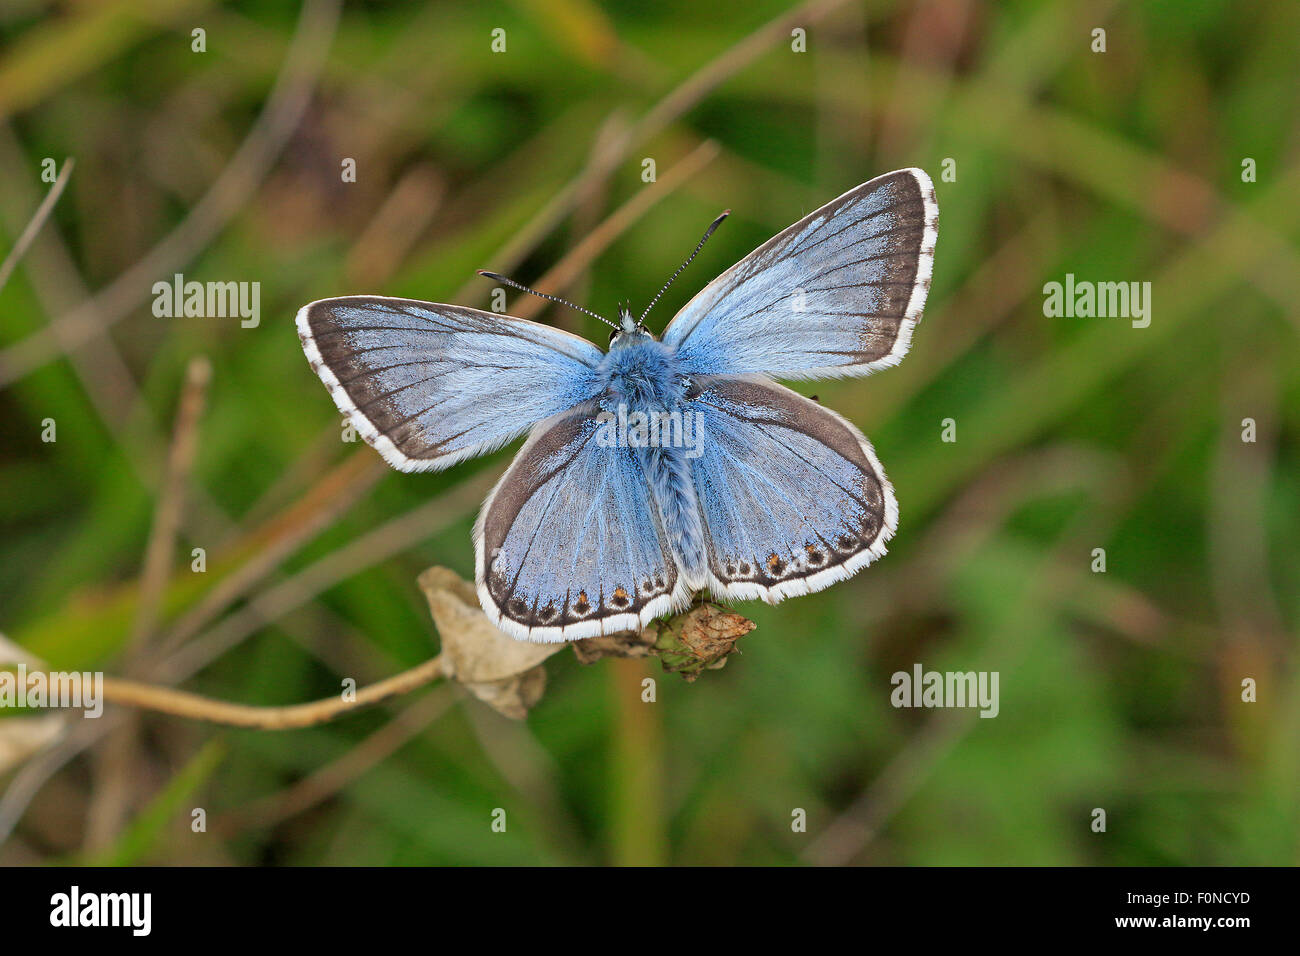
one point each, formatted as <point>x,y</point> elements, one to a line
<point>514,696</point>
<point>507,673</point>
<point>496,668</point>
<point>21,737</point>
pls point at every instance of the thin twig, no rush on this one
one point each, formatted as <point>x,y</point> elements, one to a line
<point>363,552</point>
<point>56,280</point>
<point>179,703</point>
<point>328,780</point>
<point>276,539</point>
<point>38,220</point>
<point>571,267</point>
<point>903,777</point>
<point>160,551</point>
<point>700,83</point>
<point>670,107</point>
<point>855,828</point>
<point>115,789</point>
<point>270,132</point>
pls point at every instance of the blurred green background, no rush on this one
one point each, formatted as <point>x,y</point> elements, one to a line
<point>1119,690</point>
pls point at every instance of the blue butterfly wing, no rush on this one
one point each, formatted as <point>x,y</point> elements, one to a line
<point>568,544</point>
<point>429,385</point>
<point>792,495</point>
<point>838,293</point>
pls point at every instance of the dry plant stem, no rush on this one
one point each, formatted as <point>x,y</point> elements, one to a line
<point>279,537</point>
<point>229,194</point>
<point>637,784</point>
<point>167,514</point>
<point>179,703</point>
<point>672,106</point>
<point>363,552</point>
<point>859,825</point>
<point>321,784</point>
<point>730,62</point>
<point>54,278</point>
<point>567,271</point>
<point>38,219</point>
<point>115,789</point>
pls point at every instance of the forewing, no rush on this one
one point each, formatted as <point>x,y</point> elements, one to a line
<point>792,494</point>
<point>838,293</point>
<point>568,544</point>
<point>429,385</point>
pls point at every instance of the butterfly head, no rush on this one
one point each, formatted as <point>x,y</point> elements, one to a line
<point>629,329</point>
<point>628,324</point>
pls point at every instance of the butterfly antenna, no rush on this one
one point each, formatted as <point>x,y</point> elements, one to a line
<point>708,232</point>
<point>542,295</point>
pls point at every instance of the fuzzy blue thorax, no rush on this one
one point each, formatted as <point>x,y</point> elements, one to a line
<point>641,374</point>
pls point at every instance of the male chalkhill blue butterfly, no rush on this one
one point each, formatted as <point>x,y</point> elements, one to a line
<point>665,465</point>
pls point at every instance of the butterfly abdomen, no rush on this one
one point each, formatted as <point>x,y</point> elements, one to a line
<point>643,384</point>
<point>669,474</point>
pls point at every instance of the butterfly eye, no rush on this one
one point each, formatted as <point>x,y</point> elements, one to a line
<point>612,336</point>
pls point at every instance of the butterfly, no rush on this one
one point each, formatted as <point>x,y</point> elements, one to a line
<point>663,466</point>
